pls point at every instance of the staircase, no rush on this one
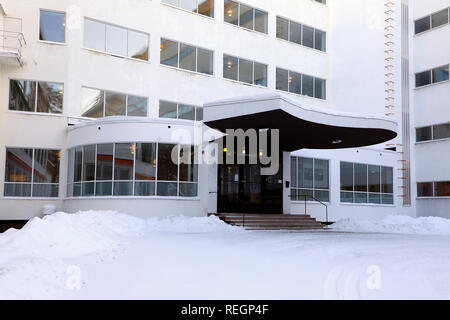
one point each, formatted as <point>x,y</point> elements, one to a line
<point>271,221</point>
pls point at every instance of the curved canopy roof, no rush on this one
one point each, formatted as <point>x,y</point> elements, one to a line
<point>300,126</point>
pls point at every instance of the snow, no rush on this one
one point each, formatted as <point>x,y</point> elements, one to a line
<point>108,255</point>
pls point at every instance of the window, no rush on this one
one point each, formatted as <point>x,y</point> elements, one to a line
<point>132,169</point>
<point>301,84</point>
<point>245,16</point>
<point>175,110</point>
<point>31,173</point>
<point>243,70</point>
<point>186,57</point>
<point>423,79</point>
<point>52,26</point>
<point>96,103</point>
<point>432,21</point>
<point>363,183</point>
<point>203,7</point>
<point>433,189</point>
<point>36,96</point>
<point>440,74</point>
<point>309,179</point>
<point>115,40</point>
<point>435,75</point>
<point>436,132</point>
<point>322,1</point>
<point>301,34</point>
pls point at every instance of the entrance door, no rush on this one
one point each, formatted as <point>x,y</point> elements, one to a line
<point>242,189</point>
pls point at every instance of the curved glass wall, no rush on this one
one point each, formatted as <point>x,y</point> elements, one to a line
<point>138,169</point>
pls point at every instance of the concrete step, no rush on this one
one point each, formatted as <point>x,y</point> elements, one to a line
<point>272,221</point>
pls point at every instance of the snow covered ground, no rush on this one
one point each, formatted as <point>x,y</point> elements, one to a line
<point>107,255</point>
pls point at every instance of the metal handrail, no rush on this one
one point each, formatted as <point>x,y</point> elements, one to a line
<point>319,201</point>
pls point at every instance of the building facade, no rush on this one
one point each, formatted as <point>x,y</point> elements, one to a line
<point>95,96</point>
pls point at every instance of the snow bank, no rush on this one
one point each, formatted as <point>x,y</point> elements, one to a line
<point>396,224</point>
<point>182,224</point>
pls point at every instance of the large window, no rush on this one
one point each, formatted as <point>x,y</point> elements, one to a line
<point>115,40</point>
<point>245,16</point>
<point>31,173</point>
<point>310,179</point>
<point>436,132</point>
<point>432,21</point>
<point>96,103</point>
<point>301,34</point>
<point>52,26</point>
<point>203,7</point>
<point>132,169</point>
<point>186,57</point>
<point>302,84</point>
<point>433,189</point>
<point>435,75</point>
<point>244,70</point>
<point>36,96</point>
<point>175,110</point>
<point>364,183</point>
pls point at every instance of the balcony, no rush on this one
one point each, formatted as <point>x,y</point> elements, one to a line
<point>11,41</point>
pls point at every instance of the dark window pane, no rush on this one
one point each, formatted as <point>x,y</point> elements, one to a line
<point>89,163</point>
<point>347,197</point>
<point>261,21</point>
<point>246,16</point>
<point>295,32</point>
<point>138,45</point>
<point>442,189</point>
<point>123,188</point>
<point>115,104</point>
<point>188,189</point>
<point>94,35</point>
<point>45,190</point>
<point>167,189</point>
<point>188,166</point>
<point>294,174</point>
<point>50,97</point>
<point>308,37</point>
<point>22,95</point>
<point>320,40</point>
<point>303,194</point>
<point>167,169</point>
<point>321,179</point>
<point>294,195</point>
<point>104,161</point>
<point>305,172</point>
<point>75,163</point>
<point>423,78</point>
<point>282,79</point>
<point>144,189</point>
<point>439,19</point>
<point>116,40</point>
<point>103,189</point>
<point>186,112</point>
<point>282,28</point>
<point>190,5</point>
<point>19,164</point>
<point>46,166</point>
<point>360,177</point>
<point>206,8</point>
<point>17,190</point>
<point>92,103</point>
<point>307,86</point>
<point>52,26</point>
<point>199,114</point>
<point>231,12</point>
<point>205,61</point>
<point>137,106</point>
<point>230,67</point>
<point>425,189</point>
<point>88,189</point>
<point>387,180</point>
<point>260,74</point>
<point>145,161</point>
<point>169,53</point>
<point>422,25</point>
<point>375,198</point>
<point>374,179</point>
<point>441,131</point>
<point>123,161</point>
<point>360,197</point>
<point>245,71</point>
<point>441,74</point>
<point>322,195</point>
<point>320,88</point>
<point>423,134</point>
<point>295,82</point>
<point>188,57</point>
<point>167,109</point>
<point>387,199</point>
<point>346,176</point>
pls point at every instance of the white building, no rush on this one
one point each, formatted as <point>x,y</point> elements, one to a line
<point>92,95</point>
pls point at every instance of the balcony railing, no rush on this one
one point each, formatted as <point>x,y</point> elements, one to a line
<point>11,41</point>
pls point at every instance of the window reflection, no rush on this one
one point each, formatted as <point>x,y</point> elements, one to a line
<point>52,26</point>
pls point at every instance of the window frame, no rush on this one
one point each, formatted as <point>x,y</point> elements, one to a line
<point>253,71</point>
<point>193,12</point>
<point>431,127</point>
<point>430,17</point>
<point>430,71</point>
<point>239,18</point>
<point>301,85</point>
<point>433,190</point>
<point>178,106</point>
<point>65,27</point>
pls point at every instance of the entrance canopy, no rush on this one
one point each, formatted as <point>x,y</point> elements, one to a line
<point>300,126</point>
